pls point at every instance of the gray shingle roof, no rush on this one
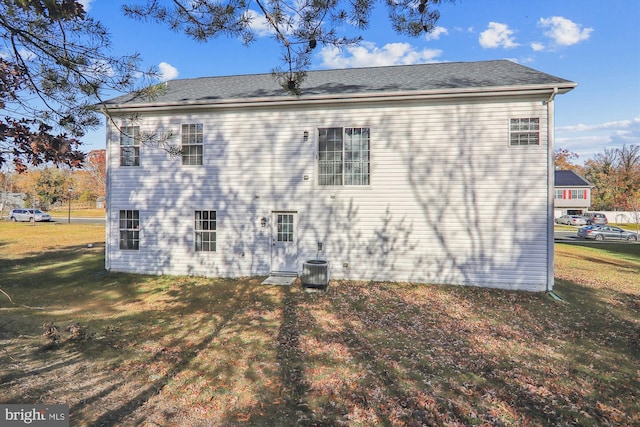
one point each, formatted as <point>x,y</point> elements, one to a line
<point>569,178</point>
<point>354,81</point>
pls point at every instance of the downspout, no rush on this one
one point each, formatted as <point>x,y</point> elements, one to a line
<point>107,217</point>
<point>550,190</point>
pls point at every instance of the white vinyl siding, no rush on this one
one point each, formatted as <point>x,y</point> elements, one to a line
<point>441,187</point>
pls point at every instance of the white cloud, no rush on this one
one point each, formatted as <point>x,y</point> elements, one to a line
<point>436,33</point>
<point>618,124</point>
<point>537,47</point>
<point>167,71</point>
<point>590,139</point>
<point>26,55</point>
<point>497,35</point>
<point>367,54</point>
<point>86,4</point>
<point>259,23</point>
<point>99,68</point>
<point>262,28</point>
<point>563,31</point>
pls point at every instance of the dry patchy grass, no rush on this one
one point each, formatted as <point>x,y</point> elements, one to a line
<point>193,351</point>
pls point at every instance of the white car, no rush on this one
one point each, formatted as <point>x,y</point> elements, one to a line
<point>32,215</point>
<point>571,220</point>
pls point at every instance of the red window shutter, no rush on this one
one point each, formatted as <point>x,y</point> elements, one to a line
<point>585,194</point>
<point>564,194</point>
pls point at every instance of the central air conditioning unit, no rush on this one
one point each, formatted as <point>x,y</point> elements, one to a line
<point>315,273</point>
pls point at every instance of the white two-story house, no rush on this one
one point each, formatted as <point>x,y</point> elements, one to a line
<point>394,173</point>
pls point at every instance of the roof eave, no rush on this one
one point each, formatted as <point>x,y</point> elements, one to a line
<point>539,89</point>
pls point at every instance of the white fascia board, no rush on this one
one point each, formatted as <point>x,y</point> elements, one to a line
<point>349,98</point>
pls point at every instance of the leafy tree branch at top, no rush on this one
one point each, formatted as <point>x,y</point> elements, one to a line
<point>298,26</point>
<point>56,67</point>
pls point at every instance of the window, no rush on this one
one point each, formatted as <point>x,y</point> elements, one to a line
<point>205,229</point>
<point>577,194</point>
<point>129,229</point>
<point>192,144</point>
<point>525,131</point>
<point>559,194</point>
<point>285,227</point>
<point>343,156</point>
<point>130,146</point>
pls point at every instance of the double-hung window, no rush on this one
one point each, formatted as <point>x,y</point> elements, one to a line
<point>129,229</point>
<point>192,144</point>
<point>344,156</point>
<point>525,131</point>
<point>577,194</point>
<point>205,231</point>
<point>130,146</point>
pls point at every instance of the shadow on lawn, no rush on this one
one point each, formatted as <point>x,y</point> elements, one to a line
<point>232,352</point>
<point>118,415</point>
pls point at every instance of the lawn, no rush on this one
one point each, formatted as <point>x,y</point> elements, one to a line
<point>125,349</point>
<point>78,213</point>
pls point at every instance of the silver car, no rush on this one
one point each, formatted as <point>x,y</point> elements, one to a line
<point>606,232</point>
<point>594,218</point>
<point>571,220</point>
<point>32,215</point>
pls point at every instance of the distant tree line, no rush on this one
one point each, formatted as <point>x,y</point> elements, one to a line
<point>45,187</point>
<point>615,174</point>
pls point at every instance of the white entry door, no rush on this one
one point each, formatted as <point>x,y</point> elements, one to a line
<point>284,241</point>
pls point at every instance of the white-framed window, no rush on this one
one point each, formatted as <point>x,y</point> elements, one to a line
<point>344,156</point>
<point>192,143</point>
<point>205,231</point>
<point>129,230</point>
<point>525,131</point>
<point>130,146</point>
<point>559,194</point>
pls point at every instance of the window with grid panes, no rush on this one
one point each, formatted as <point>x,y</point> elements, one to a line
<point>205,231</point>
<point>525,131</point>
<point>192,143</point>
<point>285,227</point>
<point>344,156</point>
<point>130,146</point>
<point>129,229</point>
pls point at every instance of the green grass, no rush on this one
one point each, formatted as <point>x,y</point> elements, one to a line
<point>193,351</point>
<point>78,213</point>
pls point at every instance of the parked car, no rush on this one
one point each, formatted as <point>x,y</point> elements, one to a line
<point>571,220</point>
<point>602,232</point>
<point>28,215</point>
<point>595,218</point>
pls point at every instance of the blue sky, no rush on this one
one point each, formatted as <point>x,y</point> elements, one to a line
<point>593,43</point>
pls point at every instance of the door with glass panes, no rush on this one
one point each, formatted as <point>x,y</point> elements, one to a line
<point>284,241</point>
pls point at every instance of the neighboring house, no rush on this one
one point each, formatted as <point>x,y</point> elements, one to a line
<point>357,170</point>
<point>573,193</point>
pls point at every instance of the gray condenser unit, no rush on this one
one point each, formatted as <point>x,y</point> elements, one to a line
<point>315,273</point>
